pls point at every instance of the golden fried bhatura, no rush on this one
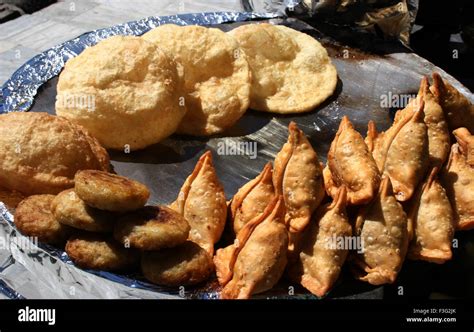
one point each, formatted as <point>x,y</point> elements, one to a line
<point>33,218</point>
<point>152,228</point>
<point>70,210</point>
<point>291,71</point>
<point>110,192</point>
<point>98,252</point>
<point>216,75</point>
<point>187,264</point>
<point>40,153</point>
<point>125,91</point>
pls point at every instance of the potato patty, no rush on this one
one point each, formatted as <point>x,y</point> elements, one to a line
<point>110,192</point>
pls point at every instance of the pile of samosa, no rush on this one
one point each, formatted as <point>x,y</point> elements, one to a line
<point>410,188</point>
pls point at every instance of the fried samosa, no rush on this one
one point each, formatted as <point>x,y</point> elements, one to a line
<point>252,199</point>
<point>297,175</point>
<point>402,151</point>
<point>466,144</point>
<point>202,202</point>
<point>459,110</point>
<point>437,127</point>
<point>457,178</point>
<point>351,164</point>
<point>430,222</point>
<point>320,258</point>
<point>382,227</point>
<point>257,259</point>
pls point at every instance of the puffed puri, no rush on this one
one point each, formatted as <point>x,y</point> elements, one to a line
<point>216,75</point>
<point>125,91</point>
<point>40,153</point>
<point>291,71</point>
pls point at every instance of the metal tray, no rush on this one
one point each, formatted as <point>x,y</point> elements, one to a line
<point>46,272</point>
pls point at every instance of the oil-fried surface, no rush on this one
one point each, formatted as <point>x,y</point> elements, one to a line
<point>350,163</point>
<point>152,228</point>
<point>33,217</point>
<point>99,252</point>
<point>11,198</point>
<point>110,192</point>
<point>40,153</point>
<point>297,176</point>
<point>291,71</point>
<point>187,264</point>
<point>216,74</point>
<point>70,210</point>
<point>457,178</point>
<point>201,201</point>
<point>124,90</point>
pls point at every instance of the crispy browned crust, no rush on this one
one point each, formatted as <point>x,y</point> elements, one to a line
<point>466,144</point>
<point>152,228</point>
<point>40,153</point>
<point>402,151</point>
<point>99,252</point>
<point>201,200</point>
<point>297,176</point>
<point>240,270</point>
<point>458,110</point>
<point>350,164</point>
<point>382,210</point>
<point>457,178</point>
<point>187,264</point>
<point>310,267</point>
<point>33,217</point>
<point>11,198</point>
<point>251,199</point>
<point>430,205</point>
<point>242,238</point>
<point>70,210</point>
<point>110,192</point>
<point>437,126</point>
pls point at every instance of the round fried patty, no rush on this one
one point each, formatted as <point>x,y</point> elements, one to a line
<point>152,228</point>
<point>187,264</point>
<point>98,252</point>
<point>70,210</point>
<point>33,217</point>
<point>110,192</point>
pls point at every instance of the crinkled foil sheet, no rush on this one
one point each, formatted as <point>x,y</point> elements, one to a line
<point>45,272</point>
